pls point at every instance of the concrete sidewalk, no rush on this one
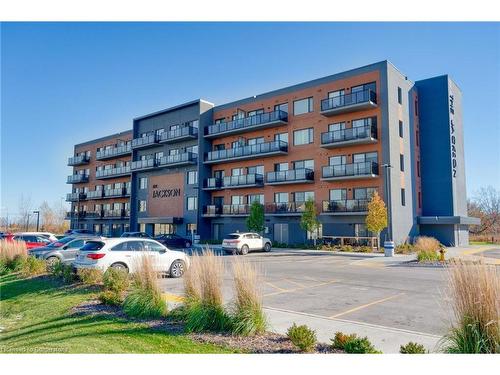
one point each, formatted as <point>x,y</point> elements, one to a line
<point>386,339</point>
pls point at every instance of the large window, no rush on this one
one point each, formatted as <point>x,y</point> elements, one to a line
<point>281,107</point>
<point>364,193</point>
<point>281,137</point>
<point>280,167</point>
<point>281,197</point>
<point>192,203</point>
<point>255,112</point>
<point>403,197</point>
<point>143,183</point>
<point>142,206</point>
<point>337,160</point>
<point>258,169</point>
<point>237,199</point>
<point>256,198</point>
<point>402,162</point>
<point>368,157</point>
<point>303,196</point>
<point>192,177</point>
<point>300,164</point>
<point>401,134</point>
<point>400,96</point>
<point>338,194</point>
<point>303,106</point>
<point>303,137</point>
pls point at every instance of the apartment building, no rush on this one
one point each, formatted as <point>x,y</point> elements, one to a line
<point>101,189</point>
<point>196,167</point>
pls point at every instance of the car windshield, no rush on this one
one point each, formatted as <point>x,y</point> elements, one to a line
<point>61,241</point>
<point>92,246</point>
<point>233,236</point>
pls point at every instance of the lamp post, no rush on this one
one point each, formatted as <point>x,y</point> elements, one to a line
<point>28,222</point>
<point>37,212</point>
<point>388,243</point>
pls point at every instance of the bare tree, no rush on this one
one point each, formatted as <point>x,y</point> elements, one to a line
<point>25,210</point>
<point>485,205</point>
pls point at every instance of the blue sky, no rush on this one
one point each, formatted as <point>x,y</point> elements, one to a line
<point>64,83</point>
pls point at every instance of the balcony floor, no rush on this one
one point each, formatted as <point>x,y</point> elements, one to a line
<point>359,141</point>
<point>349,108</point>
<point>357,177</point>
<point>246,157</point>
<point>246,129</point>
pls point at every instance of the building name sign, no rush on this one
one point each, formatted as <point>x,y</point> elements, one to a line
<point>166,193</point>
<point>453,139</point>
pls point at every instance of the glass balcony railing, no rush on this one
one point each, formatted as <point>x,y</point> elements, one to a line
<point>75,197</point>
<point>144,141</point>
<point>117,192</point>
<point>143,164</point>
<point>116,213</point>
<point>290,176</point>
<point>354,170</point>
<point>113,152</point>
<point>235,209</point>
<point>77,178</point>
<point>95,194</point>
<point>71,215</point>
<point>183,133</point>
<point>212,183</point>
<point>355,135</point>
<point>112,172</point>
<point>284,208</point>
<point>349,102</point>
<point>78,160</point>
<point>345,206</point>
<point>212,210</point>
<point>241,125</point>
<point>178,159</point>
<point>94,214</point>
<point>247,152</point>
<point>243,180</point>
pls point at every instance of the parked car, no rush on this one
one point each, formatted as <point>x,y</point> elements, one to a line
<point>174,240</point>
<point>135,234</point>
<point>47,235</point>
<point>31,240</point>
<point>77,232</point>
<point>243,243</point>
<point>65,251</point>
<point>125,253</point>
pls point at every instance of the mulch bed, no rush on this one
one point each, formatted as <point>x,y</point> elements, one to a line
<point>268,342</point>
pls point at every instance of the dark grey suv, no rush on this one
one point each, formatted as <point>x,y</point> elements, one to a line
<point>65,254</point>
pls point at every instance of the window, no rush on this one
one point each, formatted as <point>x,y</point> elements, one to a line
<point>402,162</point>
<point>281,137</point>
<point>418,168</point>
<point>303,196</point>
<point>256,198</point>
<point>419,199</point>
<point>193,149</point>
<point>416,108</point>
<point>281,107</point>
<point>192,203</point>
<point>142,206</point>
<point>301,164</point>
<point>338,194</point>
<point>219,147</point>
<point>192,177</point>
<point>367,157</point>
<point>364,193</point>
<point>337,160</point>
<point>303,137</point>
<point>280,167</point>
<point>220,120</point>
<point>417,138</point>
<point>336,97</point>
<point>237,199</point>
<point>303,106</point>
<point>400,96</point>
<point>255,141</point>
<point>401,129</point>
<point>219,174</point>
<point>163,229</point>
<point>143,183</point>
<point>237,172</point>
<point>258,169</point>
<point>281,197</point>
<point>403,198</point>
<point>337,126</point>
<point>92,246</point>
<point>191,228</point>
<point>255,112</point>
<point>153,246</point>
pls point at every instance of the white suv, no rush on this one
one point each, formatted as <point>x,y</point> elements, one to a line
<point>125,253</point>
<point>242,243</point>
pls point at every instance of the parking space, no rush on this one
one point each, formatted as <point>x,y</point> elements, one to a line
<point>348,288</point>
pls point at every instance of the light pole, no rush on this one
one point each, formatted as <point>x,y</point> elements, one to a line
<point>37,212</point>
<point>28,222</point>
<point>388,244</point>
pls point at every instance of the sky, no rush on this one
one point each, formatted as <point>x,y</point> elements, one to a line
<point>65,83</point>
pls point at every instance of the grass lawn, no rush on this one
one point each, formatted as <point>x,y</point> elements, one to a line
<point>35,318</point>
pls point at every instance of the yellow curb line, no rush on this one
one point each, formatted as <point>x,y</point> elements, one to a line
<point>299,289</point>
<point>172,297</point>
<point>474,251</point>
<point>276,287</point>
<point>366,305</point>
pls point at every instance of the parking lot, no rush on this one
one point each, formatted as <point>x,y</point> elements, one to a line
<point>347,287</point>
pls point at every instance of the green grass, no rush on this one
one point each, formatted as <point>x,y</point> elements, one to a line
<point>35,318</point>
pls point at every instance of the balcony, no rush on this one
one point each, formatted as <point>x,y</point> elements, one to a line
<point>345,207</point>
<point>116,193</point>
<point>113,152</point>
<point>77,179</point>
<point>114,214</point>
<point>78,160</point>
<point>143,165</point>
<point>71,215</point>
<point>256,122</point>
<point>177,160</point>
<point>212,210</point>
<point>233,182</point>
<point>356,101</point>
<point>285,209</point>
<point>247,152</point>
<point>94,214</point>
<point>75,197</point>
<point>226,210</point>
<point>350,171</point>
<point>181,134</point>
<point>143,142</point>
<point>112,172</point>
<point>352,136</point>
<point>212,183</point>
<point>293,176</point>
<point>95,194</point>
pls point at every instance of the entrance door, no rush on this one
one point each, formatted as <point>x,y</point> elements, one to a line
<point>217,231</point>
<point>281,233</point>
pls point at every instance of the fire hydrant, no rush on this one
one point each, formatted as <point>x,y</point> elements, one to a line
<point>441,254</point>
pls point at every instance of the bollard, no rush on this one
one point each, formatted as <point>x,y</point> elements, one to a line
<point>441,254</point>
<point>389,248</point>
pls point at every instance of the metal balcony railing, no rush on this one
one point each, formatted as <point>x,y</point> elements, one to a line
<point>290,176</point>
<point>247,152</point>
<point>182,133</point>
<point>117,192</point>
<point>345,206</point>
<point>284,208</point>
<point>143,164</point>
<point>353,170</point>
<point>349,102</point>
<point>212,210</point>
<point>78,160</point>
<point>95,194</point>
<point>352,135</point>
<point>243,180</point>
<point>114,152</point>
<point>177,159</point>
<point>75,197</point>
<point>113,172</point>
<point>77,178</point>
<point>144,141</point>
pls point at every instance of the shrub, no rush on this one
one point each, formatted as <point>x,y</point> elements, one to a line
<point>32,266</point>
<point>90,276</point>
<point>116,280</point>
<point>412,348</point>
<point>63,271</point>
<point>427,249</point>
<point>353,344</point>
<point>109,297</point>
<point>12,255</point>
<point>404,248</point>
<point>348,248</point>
<point>204,305</point>
<point>248,317</point>
<point>475,301</point>
<point>145,299</point>
<point>303,337</point>
<point>427,256</point>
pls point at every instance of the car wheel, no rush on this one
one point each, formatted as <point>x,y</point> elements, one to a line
<point>52,261</point>
<point>120,266</point>
<point>244,250</point>
<point>177,269</point>
<point>188,244</point>
<point>267,247</point>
